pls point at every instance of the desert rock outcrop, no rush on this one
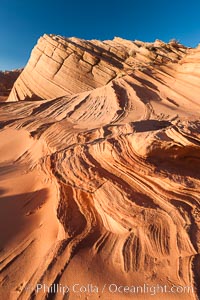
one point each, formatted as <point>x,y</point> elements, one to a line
<point>7,79</point>
<point>100,170</point>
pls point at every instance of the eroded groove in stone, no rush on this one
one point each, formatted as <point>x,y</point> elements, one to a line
<point>99,168</point>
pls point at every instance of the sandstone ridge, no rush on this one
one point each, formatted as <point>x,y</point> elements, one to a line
<point>63,66</point>
<point>99,169</point>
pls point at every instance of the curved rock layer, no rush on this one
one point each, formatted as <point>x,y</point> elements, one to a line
<point>63,66</point>
<point>100,182</point>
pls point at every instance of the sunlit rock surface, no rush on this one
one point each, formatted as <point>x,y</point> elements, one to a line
<point>99,169</point>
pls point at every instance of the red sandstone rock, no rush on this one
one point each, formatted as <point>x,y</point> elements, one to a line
<point>100,176</point>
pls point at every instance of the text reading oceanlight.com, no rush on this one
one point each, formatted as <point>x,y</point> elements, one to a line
<point>112,288</point>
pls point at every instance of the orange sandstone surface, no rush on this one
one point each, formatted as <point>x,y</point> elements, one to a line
<point>100,172</point>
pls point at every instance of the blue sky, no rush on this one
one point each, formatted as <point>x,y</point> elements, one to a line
<point>22,22</point>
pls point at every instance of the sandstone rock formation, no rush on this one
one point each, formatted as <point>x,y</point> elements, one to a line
<point>99,171</point>
<point>7,80</point>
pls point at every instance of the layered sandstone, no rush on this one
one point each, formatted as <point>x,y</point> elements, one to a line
<point>99,170</point>
<point>64,66</point>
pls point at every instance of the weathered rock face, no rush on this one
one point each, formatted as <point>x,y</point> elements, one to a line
<point>63,66</point>
<point>101,183</point>
<point>7,80</point>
